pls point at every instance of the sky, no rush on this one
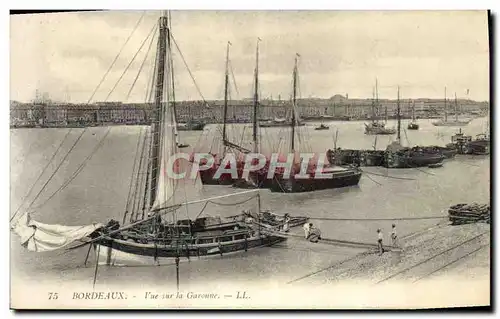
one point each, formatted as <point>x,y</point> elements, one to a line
<point>341,52</point>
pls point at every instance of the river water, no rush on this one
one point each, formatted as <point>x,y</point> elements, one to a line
<point>99,193</point>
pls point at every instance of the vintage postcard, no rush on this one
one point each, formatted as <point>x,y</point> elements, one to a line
<point>250,160</point>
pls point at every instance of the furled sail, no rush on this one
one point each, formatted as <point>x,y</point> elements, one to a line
<point>170,190</point>
<point>40,237</point>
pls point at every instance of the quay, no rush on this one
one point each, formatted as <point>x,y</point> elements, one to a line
<point>443,248</point>
<point>47,113</point>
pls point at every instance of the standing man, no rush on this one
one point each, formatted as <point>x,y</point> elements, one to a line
<point>380,238</point>
<point>286,224</point>
<point>394,236</point>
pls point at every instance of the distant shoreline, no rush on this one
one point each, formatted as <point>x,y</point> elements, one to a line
<point>314,120</point>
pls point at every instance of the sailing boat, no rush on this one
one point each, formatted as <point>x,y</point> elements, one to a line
<point>376,127</point>
<point>207,176</point>
<point>397,156</point>
<point>192,125</point>
<point>457,122</point>
<point>322,127</point>
<point>413,125</point>
<point>155,230</point>
<point>282,122</point>
<point>481,144</point>
<point>340,176</point>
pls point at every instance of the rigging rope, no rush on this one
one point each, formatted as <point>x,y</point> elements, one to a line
<point>234,79</point>
<point>78,170</point>
<point>133,170</point>
<point>224,204</point>
<point>142,64</point>
<point>189,71</point>
<point>138,181</point>
<point>84,130</point>
<point>56,170</point>
<point>408,141</point>
<point>116,58</point>
<point>41,174</point>
<point>373,180</point>
<point>388,176</point>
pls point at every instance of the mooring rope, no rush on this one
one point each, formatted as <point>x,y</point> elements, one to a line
<point>379,219</point>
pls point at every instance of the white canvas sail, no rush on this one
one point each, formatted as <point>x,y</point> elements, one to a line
<point>40,237</point>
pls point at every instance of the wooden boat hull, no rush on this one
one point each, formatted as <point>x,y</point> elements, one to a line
<point>207,177</point>
<point>435,165</point>
<point>256,180</point>
<point>379,130</point>
<point>187,250</point>
<point>413,126</point>
<point>275,220</point>
<point>479,147</point>
<point>372,158</point>
<point>279,124</point>
<point>356,157</point>
<point>439,150</point>
<point>339,180</point>
<point>191,127</point>
<point>395,160</point>
<point>459,123</point>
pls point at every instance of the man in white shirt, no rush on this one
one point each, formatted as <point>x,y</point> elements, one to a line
<point>380,238</point>
<point>394,236</point>
<point>307,229</point>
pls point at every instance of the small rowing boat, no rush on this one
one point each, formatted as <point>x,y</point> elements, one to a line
<point>435,165</point>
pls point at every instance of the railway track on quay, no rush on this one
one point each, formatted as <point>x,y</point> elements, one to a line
<point>361,264</point>
<point>439,261</point>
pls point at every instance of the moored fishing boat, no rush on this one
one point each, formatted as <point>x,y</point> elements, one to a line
<point>479,146</point>
<point>445,151</point>
<point>279,123</point>
<point>436,165</point>
<point>153,227</point>
<point>459,142</point>
<point>413,125</point>
<point>340,177</point>
<point>376,127</point>
<point>322,127</point>
<point>445,121</point>
<point>191,126</point>
<point>397,156</point>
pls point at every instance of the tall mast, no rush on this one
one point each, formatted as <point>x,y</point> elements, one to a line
<point>445,108</point>
<point>373,104</point>
<point>413,111</point>
<point>376,96</point>
<point>256,99</point>
<point>456,108</point>
<point>399,119</point>
<point>156,124</point>
<point>294,101</point>
<point>226,93</point>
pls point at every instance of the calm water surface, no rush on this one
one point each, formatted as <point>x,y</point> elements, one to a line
<point>99,193</point>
